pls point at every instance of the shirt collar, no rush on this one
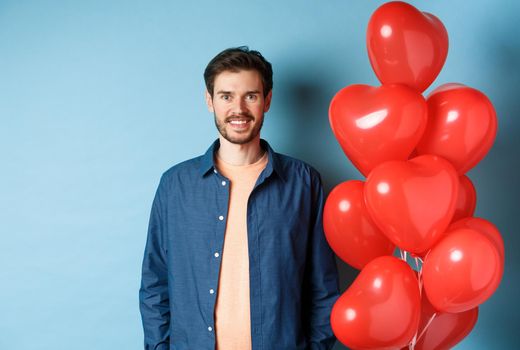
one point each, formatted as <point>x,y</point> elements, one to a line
<point>274,164</point>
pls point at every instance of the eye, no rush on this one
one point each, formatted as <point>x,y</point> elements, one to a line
<point>225,97</point>
<point>252,97</point>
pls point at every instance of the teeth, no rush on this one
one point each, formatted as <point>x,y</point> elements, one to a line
<point>238,122</point>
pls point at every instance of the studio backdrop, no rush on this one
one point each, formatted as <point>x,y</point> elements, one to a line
<point>99,98</point>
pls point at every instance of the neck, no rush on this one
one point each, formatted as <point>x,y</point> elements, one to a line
<point>236,154</point>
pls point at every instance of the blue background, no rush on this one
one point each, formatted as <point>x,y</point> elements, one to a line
<point>98,98</point>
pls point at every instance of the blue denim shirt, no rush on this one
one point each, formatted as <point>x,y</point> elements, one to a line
<point>293,275</point>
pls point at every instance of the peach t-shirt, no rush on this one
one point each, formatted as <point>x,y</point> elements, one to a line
<point>232,310</point>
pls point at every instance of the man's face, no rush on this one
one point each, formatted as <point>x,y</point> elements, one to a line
<point>239,105</point>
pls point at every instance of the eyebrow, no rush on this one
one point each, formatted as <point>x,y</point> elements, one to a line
<point>222,92</point>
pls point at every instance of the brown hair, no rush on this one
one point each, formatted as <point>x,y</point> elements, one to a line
<point>235,59</point>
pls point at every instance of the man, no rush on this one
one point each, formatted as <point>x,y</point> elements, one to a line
<point>236,257</point>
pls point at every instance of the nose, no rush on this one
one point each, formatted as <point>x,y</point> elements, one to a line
<point>239,106</point>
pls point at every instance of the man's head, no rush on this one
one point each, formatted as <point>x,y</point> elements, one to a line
<point>236,59</point>
<point>239,83</point>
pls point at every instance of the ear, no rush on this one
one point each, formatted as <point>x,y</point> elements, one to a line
<point>267,101</point>
<point>209,101</point>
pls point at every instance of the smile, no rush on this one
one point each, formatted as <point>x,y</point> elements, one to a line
<point>240,124</point>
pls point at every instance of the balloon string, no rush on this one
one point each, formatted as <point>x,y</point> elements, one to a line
<point>426,327</point>
<point>403,255</point>
<point>419,274</point>
<point>413,342</point>
<point>418,265</point>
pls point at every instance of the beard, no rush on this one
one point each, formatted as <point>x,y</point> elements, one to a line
<point>240,139</point>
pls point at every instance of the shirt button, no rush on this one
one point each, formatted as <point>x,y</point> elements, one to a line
<point>223,183</point>
<point>210,329</point>
<point>217,255</point>
<point>221,218</point>
<point>211,291</point>
<point>215,171</point>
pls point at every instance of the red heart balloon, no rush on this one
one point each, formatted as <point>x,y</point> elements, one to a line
<point>413,201</point>
<point>461,127</point>
<point>381,309</point>
<point>462,271</point>
<point>377,124</point>
<point>349,229</point>
<point>405,45</point>
<point>446,330</point>
<point>466,199</point>
<point>483,226</point>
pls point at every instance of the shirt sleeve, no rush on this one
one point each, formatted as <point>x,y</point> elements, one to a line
<point>153,294</point>
<point>321,282</point>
